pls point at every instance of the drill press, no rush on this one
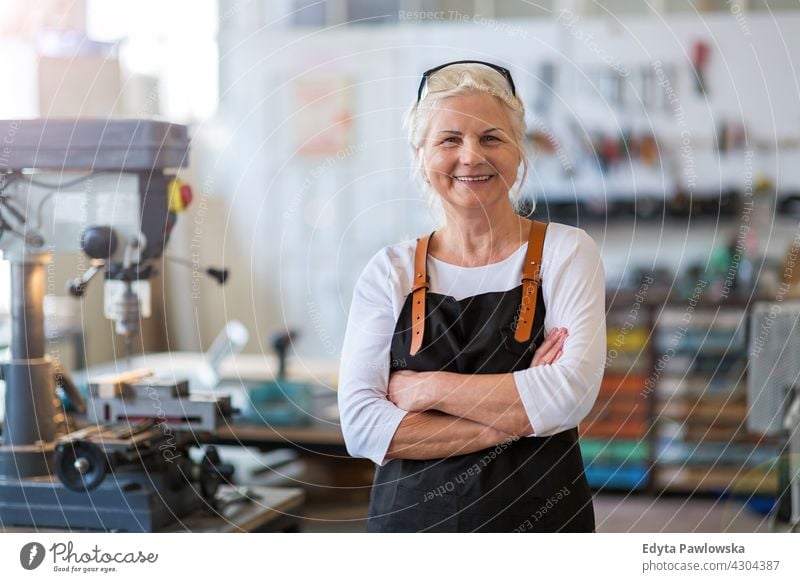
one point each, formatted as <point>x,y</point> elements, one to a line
<point>104,187</point>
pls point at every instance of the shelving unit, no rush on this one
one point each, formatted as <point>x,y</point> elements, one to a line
<point>702,443</point>
<point>671,415</point>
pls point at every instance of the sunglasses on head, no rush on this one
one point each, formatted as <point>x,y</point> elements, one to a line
<point>502,70</point>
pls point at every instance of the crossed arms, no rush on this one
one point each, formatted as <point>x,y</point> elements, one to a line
<point>422,415</point>
<point>456,414</point>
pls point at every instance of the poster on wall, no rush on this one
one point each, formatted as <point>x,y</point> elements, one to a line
<point>323,116</point>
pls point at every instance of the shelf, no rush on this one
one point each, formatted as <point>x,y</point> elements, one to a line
<point>716,480</point>
<point>712,453</point>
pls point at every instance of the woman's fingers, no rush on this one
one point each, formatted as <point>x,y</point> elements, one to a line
<point>540,356</point>
<point>552,339</point>
<point>551,348</point>
<point>551,355</point>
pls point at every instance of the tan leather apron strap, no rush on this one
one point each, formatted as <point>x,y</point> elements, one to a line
<point>418,292</point>
<point>531,280</point>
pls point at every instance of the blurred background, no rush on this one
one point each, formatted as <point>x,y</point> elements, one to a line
<point>668,129</point>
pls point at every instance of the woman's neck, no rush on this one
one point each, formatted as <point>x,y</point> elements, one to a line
<point>471,241</point>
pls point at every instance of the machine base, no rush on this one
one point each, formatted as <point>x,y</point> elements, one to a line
<point>139,503</point>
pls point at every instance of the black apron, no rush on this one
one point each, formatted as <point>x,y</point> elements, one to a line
<point>532,484</point>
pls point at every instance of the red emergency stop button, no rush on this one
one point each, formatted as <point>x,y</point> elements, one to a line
<point>179,195</point>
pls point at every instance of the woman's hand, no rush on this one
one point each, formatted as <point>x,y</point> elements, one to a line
<point>551,348</point>
<point>407,389</point>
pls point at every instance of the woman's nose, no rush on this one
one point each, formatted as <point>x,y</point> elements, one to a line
<point>471,153</point>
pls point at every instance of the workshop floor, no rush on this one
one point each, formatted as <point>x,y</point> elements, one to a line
<point>614,514</point>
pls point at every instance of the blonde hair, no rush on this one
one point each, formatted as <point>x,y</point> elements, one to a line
<point>453,81</point>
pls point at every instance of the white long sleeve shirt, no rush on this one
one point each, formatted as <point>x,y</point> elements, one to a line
<point>555,397</point>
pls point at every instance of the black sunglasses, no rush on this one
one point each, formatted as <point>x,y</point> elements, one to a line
<point>502,70</point>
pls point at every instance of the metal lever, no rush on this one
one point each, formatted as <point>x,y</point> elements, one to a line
<point>30,237</point>
<point>218,274</point>
<point>77,287</point>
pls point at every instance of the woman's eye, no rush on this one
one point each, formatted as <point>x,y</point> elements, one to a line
<point>490,138</point>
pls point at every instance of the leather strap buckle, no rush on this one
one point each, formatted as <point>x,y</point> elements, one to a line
<point>531,281</point>
<point>418,292</point>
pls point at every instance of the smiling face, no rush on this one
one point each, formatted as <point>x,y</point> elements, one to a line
<point>468,154</point>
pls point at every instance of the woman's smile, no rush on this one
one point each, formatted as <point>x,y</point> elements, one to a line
<point>474,179</point>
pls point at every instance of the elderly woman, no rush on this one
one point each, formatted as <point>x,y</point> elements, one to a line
<point>472,354</point>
